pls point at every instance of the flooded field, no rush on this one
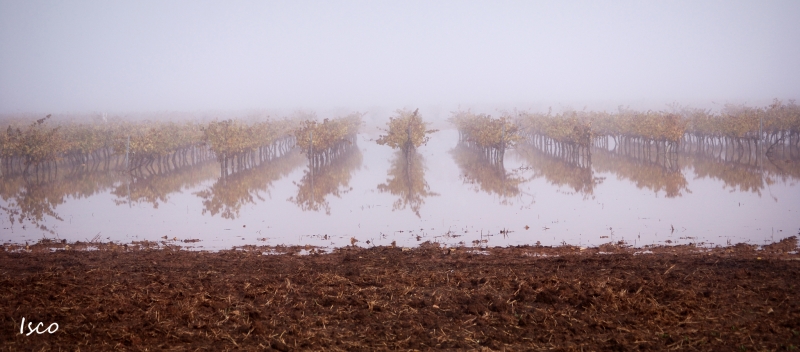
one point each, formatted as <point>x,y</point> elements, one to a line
<point>446,192</point>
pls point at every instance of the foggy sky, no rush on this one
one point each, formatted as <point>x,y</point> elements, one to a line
<point>59,56</point>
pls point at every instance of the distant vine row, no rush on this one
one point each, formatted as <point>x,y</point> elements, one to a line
<point>492,135</point>
<point>323,142</point>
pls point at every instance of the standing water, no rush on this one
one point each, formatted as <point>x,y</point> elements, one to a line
<point>445,191</point>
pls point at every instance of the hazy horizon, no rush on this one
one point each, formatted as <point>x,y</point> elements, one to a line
<point>144,56</point>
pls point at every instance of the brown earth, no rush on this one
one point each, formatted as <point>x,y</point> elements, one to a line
<point>610,298</point>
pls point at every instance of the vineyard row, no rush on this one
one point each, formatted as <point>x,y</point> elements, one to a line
<point>737,124</point>
<point>161,146</point>
<point>323,142</point>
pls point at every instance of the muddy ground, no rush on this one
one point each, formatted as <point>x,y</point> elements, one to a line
<point>610,298</point>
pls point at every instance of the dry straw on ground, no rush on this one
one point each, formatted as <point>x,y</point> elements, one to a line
<point>523,298</point>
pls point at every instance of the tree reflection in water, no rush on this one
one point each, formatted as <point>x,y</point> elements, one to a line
<point>743,170</point>
<point>329,177</point>
<point>557,170</point>
<point>660,175</point>
<point>487,175</point>
<point>227,196</point>
<point>33,198</point>
<point>406,179</point>
<point>742,177</point>
<point>157,187</point>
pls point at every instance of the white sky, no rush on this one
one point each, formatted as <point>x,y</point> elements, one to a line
<point>78,56</point>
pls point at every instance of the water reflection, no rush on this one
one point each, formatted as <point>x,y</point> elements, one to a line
<point>560,171</point>
<point>645,151</point>
<point>157,187</point>
<point>742,174</point>
<point>406,179</point>
<point>330,176</point>
<point>743,170</point>
<point>654,172</point>
<point>486,174</point>
<point>61,201</point>
<point>229,193</point>
<point>784,164</point>
<point>33,198</point>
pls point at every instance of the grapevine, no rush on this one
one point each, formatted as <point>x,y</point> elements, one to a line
<point>239,146</point>
<point>491,135</point>
<point>323,142</point>
<point>406,131</point>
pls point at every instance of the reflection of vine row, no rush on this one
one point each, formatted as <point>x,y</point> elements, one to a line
<point>648,151</point>
<point>558,170</point>
<point>741,168</point>
<point>491,135</point>
<point>728,148</point>
<point>486,173</point>
<point>227,195</point>
<point>329,178</point>
<point>575,154</point>
<point>726,152</point>
<point>13,168</point>
<point>659,174</point>
<point>744,175</point>
<point>407,180</point>
<point>789,153</point>
<point>157,188</point>
<point>34,197</point>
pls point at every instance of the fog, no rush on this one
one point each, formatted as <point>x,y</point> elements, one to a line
<point>144,56</point>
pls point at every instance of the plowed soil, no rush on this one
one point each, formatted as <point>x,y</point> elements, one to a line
<point>611,298</point>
